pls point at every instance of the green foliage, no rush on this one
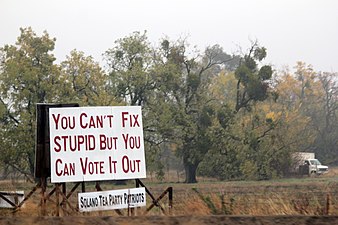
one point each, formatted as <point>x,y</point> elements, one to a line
<point>87,83</point>
<point>315,97</point>
<point>260,53</point>
<point>191,103</point>
<point>243,73</point>
<point>28,76</point>
<point>129,60</point>
<point>183,87</point>
<point>252,85</point>
<point>265,73</point>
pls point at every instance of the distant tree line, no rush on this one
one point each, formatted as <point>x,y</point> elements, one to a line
<point>221,115</point>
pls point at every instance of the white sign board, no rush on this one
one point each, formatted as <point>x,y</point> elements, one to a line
<point>15,197</point>
<point>96,143</point>
<point>108,200</point>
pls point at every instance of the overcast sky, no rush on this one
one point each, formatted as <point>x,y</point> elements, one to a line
<point>291,30</point>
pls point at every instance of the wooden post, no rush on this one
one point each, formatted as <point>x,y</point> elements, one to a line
<point>327,210</point>
<point>98,188</point>
<point>83,187</point>
<point>64,191</point>
<point>43,185</point>
<point>137,185</point>
<point>28,196</point>
<point>57,195</point>
<point>170,190</point>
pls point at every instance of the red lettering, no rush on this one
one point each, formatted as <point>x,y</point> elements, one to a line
<point>107,143</point>
<point>58,173</point>
<point>74,143</point>
<point>135,121</point>
<point>65,170</point>
<point>56,120</point>
<point>110,119</point>
<point>91,167</point>
<point>64,122</point>
<point>80,140</point>
<point>131,141</point>
<point>130,165</point>
<point>93,121</point>
<point>124,118</point>
<point>112,165</point>
<point>84,126</point>
<point>58,146</point>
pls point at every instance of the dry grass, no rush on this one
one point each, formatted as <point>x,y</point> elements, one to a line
<point>306,196</point>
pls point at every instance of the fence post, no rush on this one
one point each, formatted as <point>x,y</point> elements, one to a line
<point>327,210</point>
<point>170,190</point>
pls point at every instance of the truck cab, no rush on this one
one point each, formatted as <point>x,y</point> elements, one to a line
<point>315,167</point>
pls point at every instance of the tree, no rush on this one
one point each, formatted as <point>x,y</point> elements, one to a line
<point>132,81</point>
<point>129,62</point>
<point>324,118</point>
<point>238,143</point>
<point>252,84</point>
<point>28,76</point>
<point>184,87</point>
<point>86,82</point>
<point>317,96</point>
<point>296,95</point>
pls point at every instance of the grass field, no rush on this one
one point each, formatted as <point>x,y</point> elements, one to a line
<point>293,196</point>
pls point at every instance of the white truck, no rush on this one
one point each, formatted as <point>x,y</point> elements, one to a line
<point>306,163</point>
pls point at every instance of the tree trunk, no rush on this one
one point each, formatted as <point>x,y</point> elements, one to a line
<point>190,172</point>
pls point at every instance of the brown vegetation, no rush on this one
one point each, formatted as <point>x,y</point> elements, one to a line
<point>315,196</point>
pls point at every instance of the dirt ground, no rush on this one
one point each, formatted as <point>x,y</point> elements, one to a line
<point>177,220</point>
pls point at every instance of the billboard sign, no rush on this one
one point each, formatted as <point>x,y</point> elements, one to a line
<point>113,199</point>
<point>96,143</point>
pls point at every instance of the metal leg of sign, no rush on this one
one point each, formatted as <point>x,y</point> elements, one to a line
<point>119,212</point>
<point>83,187</point>
<point>64,191</point>
<point>155,202</point>
<point>47,197</point>
<point>61,197</point>
<point>98,188</point>
<point>27,197</point>
<point>147,190</point>
<point>132,212</point>
<point>43,185</point>
<point>57,191</point>
<point>73,189</point>
<point>65,199</point>
<point>170,195</point>
<point>137,185</point>
<point>60,192</point>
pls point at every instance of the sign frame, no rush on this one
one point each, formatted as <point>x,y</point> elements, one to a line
<point>96,143</point>
<point>111,200</point>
